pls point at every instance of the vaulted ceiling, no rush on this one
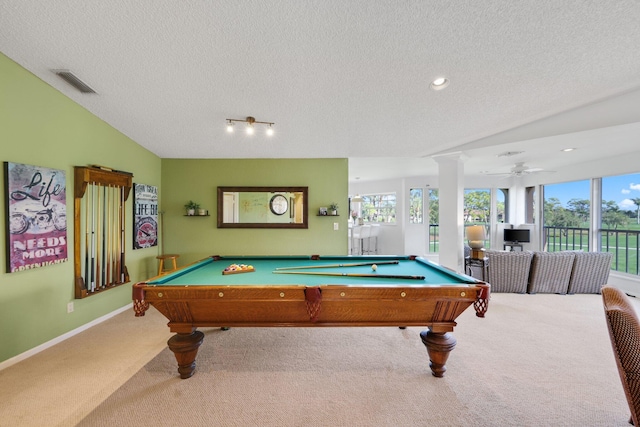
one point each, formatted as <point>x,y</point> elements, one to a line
<point>346,78</point>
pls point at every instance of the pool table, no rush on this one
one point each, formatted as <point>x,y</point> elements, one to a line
<point>312,291</point>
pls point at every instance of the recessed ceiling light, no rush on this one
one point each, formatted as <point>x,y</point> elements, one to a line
<point>566,150</point>
<point>439,83</point>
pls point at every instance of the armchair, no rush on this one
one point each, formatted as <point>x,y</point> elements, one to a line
<point>624,331</point>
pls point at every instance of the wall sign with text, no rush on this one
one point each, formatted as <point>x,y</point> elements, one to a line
<point>145,216</point>
<point>36,212</point>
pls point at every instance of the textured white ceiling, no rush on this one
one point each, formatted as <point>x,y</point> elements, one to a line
<point>339,78</point>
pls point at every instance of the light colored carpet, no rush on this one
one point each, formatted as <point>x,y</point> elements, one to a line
<point>536,360</point>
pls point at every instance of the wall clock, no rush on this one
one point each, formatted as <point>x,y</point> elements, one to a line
<point>278,204</point>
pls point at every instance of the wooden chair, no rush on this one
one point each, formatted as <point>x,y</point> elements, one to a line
<point>624,331</point>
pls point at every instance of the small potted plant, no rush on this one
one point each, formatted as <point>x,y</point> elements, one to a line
<point>191,207</point>
<point>333,208</point>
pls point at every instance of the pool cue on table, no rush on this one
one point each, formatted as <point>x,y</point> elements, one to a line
<point>376,276</point>
<point>355,264</point>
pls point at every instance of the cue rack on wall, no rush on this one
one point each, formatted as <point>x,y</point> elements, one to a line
<point>100,194</point>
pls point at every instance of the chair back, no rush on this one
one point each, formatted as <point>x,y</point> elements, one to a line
<point>624,331</point>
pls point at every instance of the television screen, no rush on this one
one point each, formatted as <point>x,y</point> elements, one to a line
<point>516,235</point>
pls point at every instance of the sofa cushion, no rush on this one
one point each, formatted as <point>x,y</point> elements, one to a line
<point>590,272</point>
<point>550,272</point>
<point>508,271</point>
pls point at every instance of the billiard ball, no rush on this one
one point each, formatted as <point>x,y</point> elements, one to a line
<point>374,267</point>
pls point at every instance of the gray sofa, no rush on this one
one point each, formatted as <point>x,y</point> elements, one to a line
<point>548,272</point>
<point>508,271</point>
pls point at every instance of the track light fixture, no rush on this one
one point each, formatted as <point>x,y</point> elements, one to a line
<point>250,121</point>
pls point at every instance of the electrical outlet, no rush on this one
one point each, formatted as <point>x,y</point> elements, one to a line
<point>70,307</point>
<point>335,226</point>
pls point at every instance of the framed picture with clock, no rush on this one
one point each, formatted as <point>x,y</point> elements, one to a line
<point>145,216</point>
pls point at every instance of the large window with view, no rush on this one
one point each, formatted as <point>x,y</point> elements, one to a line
<point>567,213</point>
<point>379,208</point>
<point>434,221</point>
<point>477,209</point>
<point>619,233</point>
<point>416,206</point>
<point>502,205</point>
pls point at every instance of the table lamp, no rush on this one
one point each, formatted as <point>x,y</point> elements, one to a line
<point>476,236</point>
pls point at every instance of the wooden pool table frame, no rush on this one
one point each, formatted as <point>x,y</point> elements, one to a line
<point>190,307</point>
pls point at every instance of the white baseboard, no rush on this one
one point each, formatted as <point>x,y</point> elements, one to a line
<point>22,356</point>
<point>630,284</point>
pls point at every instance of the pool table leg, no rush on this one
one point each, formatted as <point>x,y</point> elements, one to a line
<point>439,345</point>
<point>185,347</point>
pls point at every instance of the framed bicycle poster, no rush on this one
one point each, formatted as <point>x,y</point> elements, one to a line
<point>36,212</point>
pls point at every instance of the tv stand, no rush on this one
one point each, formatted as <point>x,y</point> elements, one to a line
<point>512,246</point>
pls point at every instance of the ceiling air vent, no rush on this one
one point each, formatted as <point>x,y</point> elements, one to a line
<point>74,81</point>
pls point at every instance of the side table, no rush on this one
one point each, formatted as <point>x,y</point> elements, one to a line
<point>482,263</point>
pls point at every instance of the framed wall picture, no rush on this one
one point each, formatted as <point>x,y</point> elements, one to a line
<point>145,216</point>
<point>36,212</point>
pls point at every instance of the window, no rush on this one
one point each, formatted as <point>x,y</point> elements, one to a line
<point>502,205</point>
<point>434,221</point>
<point>477,208</point>
<point>567,213</point>
<point>379,208</point>
<point>416,206</point>
<point>434,207</point>
<point>620,229</point>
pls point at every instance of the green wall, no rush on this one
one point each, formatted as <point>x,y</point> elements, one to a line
<point>40,126</point>
<point>196,237</point>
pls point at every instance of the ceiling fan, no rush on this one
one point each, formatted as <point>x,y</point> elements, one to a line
<point>520,169</point>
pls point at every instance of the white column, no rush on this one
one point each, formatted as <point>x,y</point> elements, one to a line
<point>451,202</point>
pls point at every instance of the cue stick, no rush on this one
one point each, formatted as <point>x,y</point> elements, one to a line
<point>104,236</point>
<point>355,264</point>
<point>122,226</point>
<point>109,231</point>
<point>116,244</point>
<point>86,239</point>
<point>376,276</point>
<point>93,237</point>
<point>98,243</point>
<point>114,237</point>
